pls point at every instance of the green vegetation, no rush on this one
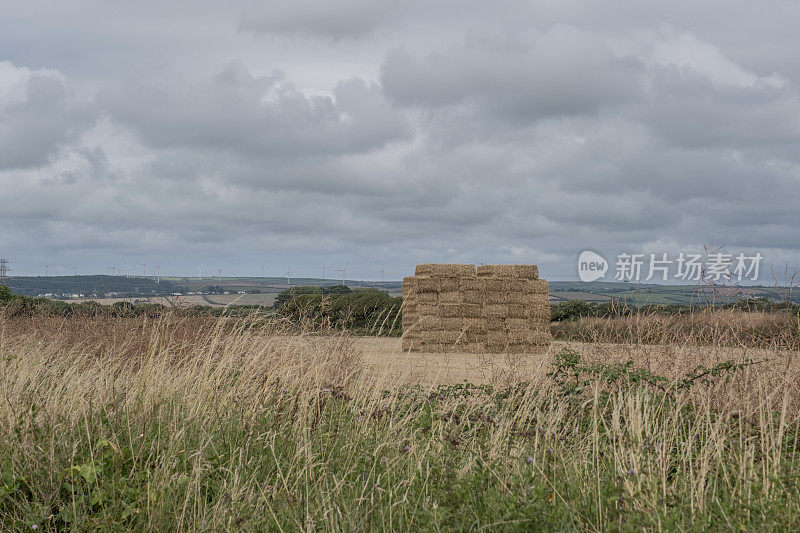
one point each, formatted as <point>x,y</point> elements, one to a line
<point>574,309</point>
<point>363,310</point>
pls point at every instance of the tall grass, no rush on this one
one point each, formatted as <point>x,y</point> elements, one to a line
<point>711,327</point>
<point>178,423</point>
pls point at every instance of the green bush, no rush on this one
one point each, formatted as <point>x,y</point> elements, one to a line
<point>363,310</point>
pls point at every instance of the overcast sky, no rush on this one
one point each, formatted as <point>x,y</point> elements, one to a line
<point>373,135</point>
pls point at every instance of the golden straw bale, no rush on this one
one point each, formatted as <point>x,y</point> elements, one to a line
<point>536,286</point>
<point>475,324</point>
<point>427,310</point>
<point>495,297</point>
<point>493,284</point>
<point>539,323</point>
<point>496,337</point>
<point>470,310</point>
<point>442,336</point>
<point>495,310</point>
<point>495,347</point>
<point>472,284</point>
<point>517,324</point>
<point>495,324</point>
<point>437,284</point>
<point>518,311</point>
<point>433,347</point>
<point>540,338</point>
<point>445,270</point>
<point>427,298</point>
<point>429,323</point>
<point>474,336</point>
<point>474,297</point>
<point>452,323</point>
<point>508,271</point>
<point>451,297</point>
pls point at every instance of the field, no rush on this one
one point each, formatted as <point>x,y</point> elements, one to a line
<point>196,423</point>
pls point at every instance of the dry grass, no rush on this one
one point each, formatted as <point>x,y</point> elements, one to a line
<point>735,328</point>
<point>182,423</point>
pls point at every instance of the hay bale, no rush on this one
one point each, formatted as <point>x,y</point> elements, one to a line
<point>445,270</point>
<point>474,324</point>
<point>471,310</point>
<point>460,310</point>
<point>508,271</point>
<point>495,297</point>
<point>493,285</point>
<point>540,338</point>
<point>474,336</point>
<point>536,286</point>
<point>427,310</point>
<point>429,323</point>
<point>518,311</point>
<point>433,347</point>
<point>539,324</point>
<point>495,324</point>
<point>540,311</point>
<point>451,297</point>
<point>473,297</point>
<point>437,284</point>
<point>426,298</point>
<point>517,298</point>
<point>517,324</point>
<point>442,336</point>
<point>495,310</point>
<point>454,323</point>
<point>472,284</point>
<point>496,338</point>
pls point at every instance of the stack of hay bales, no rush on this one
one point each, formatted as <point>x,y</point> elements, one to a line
<point>494,309</point>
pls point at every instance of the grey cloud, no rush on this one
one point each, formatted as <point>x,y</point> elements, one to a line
<point>235,111</point>
<point>36,126</point>
<point>560,72</point>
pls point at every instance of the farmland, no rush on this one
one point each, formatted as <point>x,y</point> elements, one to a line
<point>187,422</point>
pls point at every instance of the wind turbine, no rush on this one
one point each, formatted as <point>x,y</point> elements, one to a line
<point>288,275</point>
<point>45,270</point>
<point>158,273</point>
<point>200,272</point>
<point>219,274</point>
<point>381,275</point>
<point>60,269</point>
<point>144,269</point>
<point>323,272</point>
<point>75,271</point>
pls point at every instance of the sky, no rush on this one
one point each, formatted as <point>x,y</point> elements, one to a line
<point>371,136</point>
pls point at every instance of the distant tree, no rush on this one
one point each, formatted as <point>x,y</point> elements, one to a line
<point>336,289</point>
<point>569,309</point>
<point>290,293</point>
<point>5,294</point>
